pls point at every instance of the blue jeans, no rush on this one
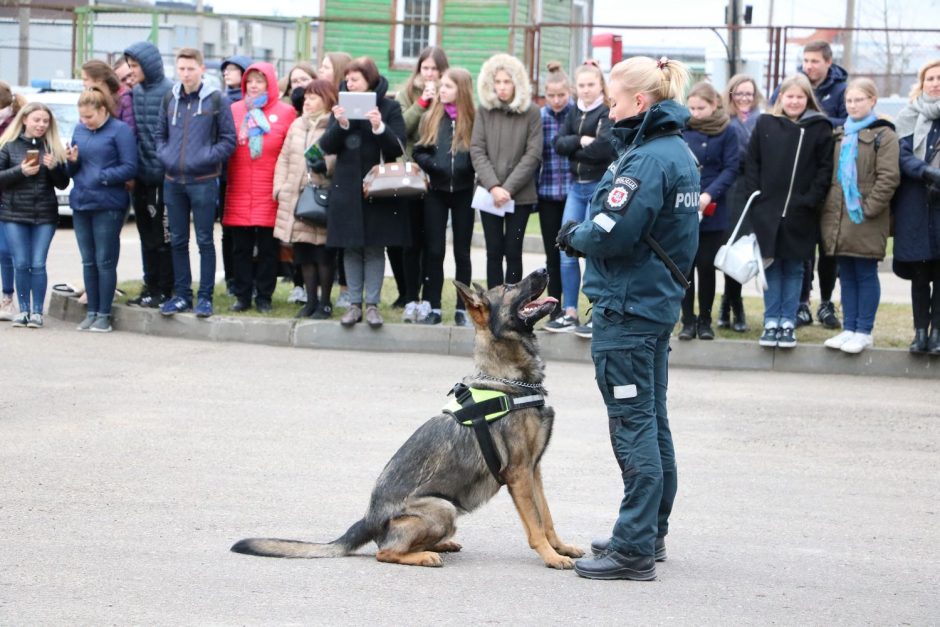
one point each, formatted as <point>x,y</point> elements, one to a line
<point>631,360</point>
<point>576,208</point>
<point>861,292</point>
<point>782,298</point>
<point>199,200</point>
<point>6,264</point>
<point>29,244</point>
<point>99,242</point>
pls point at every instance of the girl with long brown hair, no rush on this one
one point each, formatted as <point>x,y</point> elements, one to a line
<point>443,151</point>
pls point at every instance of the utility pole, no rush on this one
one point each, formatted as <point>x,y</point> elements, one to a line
<point>199,26</point>
<point>734,35</point>
<point>848,36</point>
<point>23,13</point>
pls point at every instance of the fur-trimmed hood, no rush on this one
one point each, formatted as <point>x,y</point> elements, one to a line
<point>486,90</point>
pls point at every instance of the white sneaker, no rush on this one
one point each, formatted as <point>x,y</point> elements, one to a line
<point>297,295</point>
<point>410,315</point>
<point>343,301</point>
<point>839,341</point>
<point>858,343</point>
<point>424,310</point>
<point>7,308</point>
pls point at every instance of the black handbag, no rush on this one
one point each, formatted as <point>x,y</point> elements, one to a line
<point>312,204</point>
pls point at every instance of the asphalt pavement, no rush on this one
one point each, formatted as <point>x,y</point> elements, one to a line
<point>130,464</point>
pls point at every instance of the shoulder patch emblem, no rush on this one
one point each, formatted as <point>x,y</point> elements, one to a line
<point>617,197</point>
<point>621,194</point>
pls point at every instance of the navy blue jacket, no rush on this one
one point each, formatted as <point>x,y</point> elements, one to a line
<point>148,98</point>
<point>194,138</point>
<point>916,226</point>
<point>653,187</point>
<point>719,157</point>
<point>235,93</point>
<point>830,94</point>
<point>107,159</point>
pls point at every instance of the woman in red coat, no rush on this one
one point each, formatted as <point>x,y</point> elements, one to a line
<point>262,122</point>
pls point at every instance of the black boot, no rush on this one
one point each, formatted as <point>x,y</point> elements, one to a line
<point>740,320</point>
<point>688,331</point>
<point>933,342</point>
<point>704,329</point>
<point>724,313</point>
<point>919,345</point>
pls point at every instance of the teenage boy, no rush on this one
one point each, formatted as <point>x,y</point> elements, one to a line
<point>195,137</point>
<point>151,85</point>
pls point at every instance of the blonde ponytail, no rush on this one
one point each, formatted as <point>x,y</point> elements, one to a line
<point>665,79</point>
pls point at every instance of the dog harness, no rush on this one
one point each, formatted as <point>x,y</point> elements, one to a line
<point>476,407</point>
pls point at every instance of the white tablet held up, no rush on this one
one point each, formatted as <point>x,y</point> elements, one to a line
<point>357,103</point>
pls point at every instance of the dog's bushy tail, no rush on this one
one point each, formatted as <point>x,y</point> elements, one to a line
<point>357,535</point>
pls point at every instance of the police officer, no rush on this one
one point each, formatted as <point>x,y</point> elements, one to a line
<point>639,242</point>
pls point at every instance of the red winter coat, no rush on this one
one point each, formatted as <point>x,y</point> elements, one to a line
<point>249,197</point>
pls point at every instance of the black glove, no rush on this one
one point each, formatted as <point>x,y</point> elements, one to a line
<point>317,165</point>
<point>932,175</point>
<point>563,241</point>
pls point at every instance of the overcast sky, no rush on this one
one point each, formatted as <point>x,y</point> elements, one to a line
<point>920,13</point>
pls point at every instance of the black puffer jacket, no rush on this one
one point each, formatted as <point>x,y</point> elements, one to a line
<point>148,107</point>
<point>29,199</point>
<point>589,163</point>
<point>448,172</point>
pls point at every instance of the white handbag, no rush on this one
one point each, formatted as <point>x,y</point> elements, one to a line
<point>741,259</point>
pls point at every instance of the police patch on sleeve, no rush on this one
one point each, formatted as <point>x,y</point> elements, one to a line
<point>620,195</point>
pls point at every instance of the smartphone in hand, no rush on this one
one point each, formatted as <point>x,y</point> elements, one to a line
<point>32,157</point>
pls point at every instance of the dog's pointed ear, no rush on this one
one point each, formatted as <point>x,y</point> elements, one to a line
<point>477,307</point>
<point>470,296</point>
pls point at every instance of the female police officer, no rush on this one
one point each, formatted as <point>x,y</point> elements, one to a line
<point>641,238</point>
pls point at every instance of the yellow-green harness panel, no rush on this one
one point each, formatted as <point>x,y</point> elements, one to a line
<point>476,407</point>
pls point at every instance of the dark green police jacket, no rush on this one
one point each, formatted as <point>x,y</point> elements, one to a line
<point>653,186</point>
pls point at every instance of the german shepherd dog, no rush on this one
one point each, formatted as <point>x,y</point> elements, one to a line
<point>440,472</point>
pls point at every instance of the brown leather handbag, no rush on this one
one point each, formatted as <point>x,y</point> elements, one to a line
<point>395,180</point>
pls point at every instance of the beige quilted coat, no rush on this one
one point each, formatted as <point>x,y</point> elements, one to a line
<point>290,175</point>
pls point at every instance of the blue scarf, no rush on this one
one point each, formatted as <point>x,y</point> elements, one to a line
<point>848,174</point>
<point>255,126</point>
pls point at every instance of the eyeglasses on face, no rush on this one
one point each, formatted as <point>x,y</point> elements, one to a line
<point>742,94</point>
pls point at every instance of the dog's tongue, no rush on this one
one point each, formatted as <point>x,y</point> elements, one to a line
<point>542,301</point>
<point>536,304</point>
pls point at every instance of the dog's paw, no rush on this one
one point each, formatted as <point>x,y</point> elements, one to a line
<point>429,558</point>
<point>560,562</point>
<point>447,546</point>
<point>569,550</point>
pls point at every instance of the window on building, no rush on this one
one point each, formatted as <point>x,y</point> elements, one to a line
<point>412,38</point>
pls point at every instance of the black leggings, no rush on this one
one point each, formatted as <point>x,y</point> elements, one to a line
<point>550,212</point>
<point>926,302</point>
<point>504,237</point>
<point>437,206</point>
<point>708,244</point>
<point>828,272</point>
<point>315,262</point>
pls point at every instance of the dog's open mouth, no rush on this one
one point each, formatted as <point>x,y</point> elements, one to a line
<point>537,309</point>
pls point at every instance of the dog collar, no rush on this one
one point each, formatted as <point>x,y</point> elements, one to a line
<point>476,407</point>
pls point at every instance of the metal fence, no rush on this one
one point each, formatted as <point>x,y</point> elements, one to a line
<point>62,39</point>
